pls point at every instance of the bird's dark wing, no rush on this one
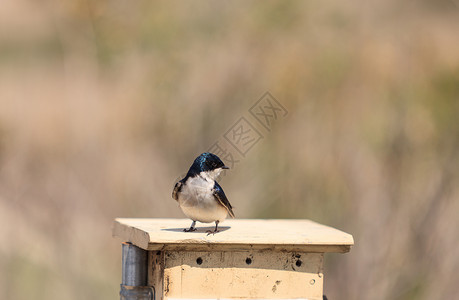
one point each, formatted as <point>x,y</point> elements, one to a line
<point>221,197</point>
<point>177,188</point>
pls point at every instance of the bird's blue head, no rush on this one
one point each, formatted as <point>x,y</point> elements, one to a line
<point>208,163</point>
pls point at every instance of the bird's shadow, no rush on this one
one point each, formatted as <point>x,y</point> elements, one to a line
<point>199,229</point>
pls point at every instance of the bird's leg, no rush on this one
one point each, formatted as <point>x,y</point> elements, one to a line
<point>216,229</point>
<point>192,228</point>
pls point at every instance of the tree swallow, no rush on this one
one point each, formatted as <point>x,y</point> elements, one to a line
<point>199,196</point>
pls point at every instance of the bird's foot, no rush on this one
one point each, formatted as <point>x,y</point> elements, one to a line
<point>191,229</point>
<point>215,230</point>
<point>209,232</point>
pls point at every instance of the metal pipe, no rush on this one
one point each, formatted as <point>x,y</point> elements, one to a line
<point>134,266</point>
<point>134,274</point>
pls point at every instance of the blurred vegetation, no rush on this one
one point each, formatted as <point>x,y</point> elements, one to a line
<point>104,104</point>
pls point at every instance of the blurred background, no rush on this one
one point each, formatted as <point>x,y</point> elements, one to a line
<point>104,104</point>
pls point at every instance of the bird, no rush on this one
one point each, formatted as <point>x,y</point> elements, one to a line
<point>200,196</point>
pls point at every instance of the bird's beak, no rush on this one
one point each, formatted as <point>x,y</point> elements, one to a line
<point>225,167</point>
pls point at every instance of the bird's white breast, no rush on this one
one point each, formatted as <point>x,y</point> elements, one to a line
<point>198,203</point>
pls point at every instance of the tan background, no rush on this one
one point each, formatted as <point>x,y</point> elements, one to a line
<point>103,104</point>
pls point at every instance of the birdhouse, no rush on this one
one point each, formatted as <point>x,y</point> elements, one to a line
<point>252,259</point>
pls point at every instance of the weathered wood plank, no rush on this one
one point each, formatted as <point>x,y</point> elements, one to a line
<point>238,234</point>
<point>243,274</point>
